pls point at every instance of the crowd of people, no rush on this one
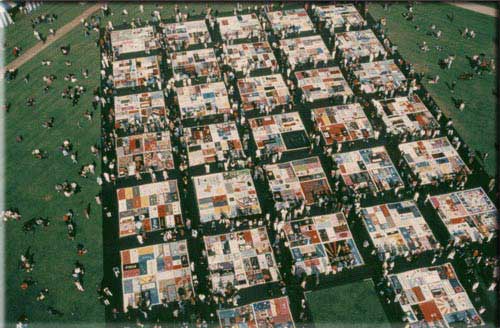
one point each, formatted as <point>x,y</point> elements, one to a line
<point>36,23</point>
<point>341,199</point>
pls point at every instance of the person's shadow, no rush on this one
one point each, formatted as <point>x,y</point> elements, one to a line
<point>471,61</point>
<point>456,101</point>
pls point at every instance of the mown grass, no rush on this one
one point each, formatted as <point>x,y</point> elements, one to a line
<point>30,186</point>
<point>351,305</point>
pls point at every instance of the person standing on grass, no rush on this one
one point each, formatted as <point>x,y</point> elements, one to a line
<point>98,199</point>
<point>22,321</point>
<point>81,250</point>
<point>492,65</point>
<point>461,105</point>
<point>26,262</point>
<point>451,59</point>
<point>465,32</point>
<point>435,80</point>
<point>71,229</point>
<point>28,282</point>
<point>16,51</point>
<point>37,35</point>
<point>42,294</point>
<point>491,185</point>
<point>77,274</point>
<point>86,211</point>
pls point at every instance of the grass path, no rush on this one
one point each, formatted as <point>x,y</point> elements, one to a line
<point>478,8</point>
<point>33,51</point>
<point>20,33</point>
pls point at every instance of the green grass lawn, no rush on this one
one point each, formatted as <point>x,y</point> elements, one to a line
<point>351,305</point>
<point>21,33</point>
<point>30,184</point>
<point>476,124</point>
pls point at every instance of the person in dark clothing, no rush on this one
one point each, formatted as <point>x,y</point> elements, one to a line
<point>53,311</point>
